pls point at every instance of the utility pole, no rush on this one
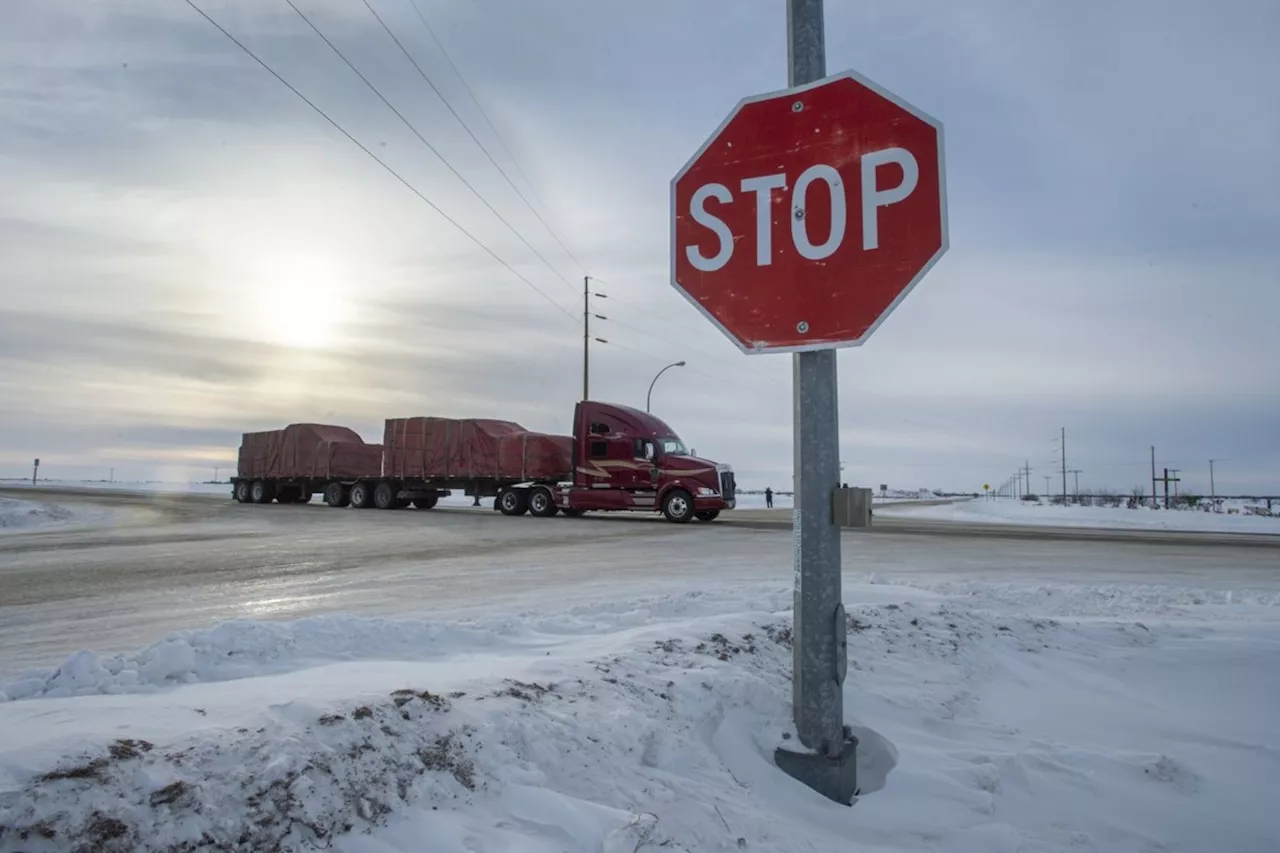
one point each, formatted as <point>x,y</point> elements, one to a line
<point>1213,494</point>
<point>1174,472</point>
<point>112,477</point>
<point>586,337</point>
<point>1047,478</point>
<point>1166,479</point>
<point>1154,501</point>
<point>1064,464</point>
<point>35,471</point>
<point>1077,472</point>
<point>586,333</point>
<point>1027,471</point>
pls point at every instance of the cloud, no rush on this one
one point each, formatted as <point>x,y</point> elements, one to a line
<point>189,251</point>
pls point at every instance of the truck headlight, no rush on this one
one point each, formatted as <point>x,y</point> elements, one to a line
<point>703,491</point>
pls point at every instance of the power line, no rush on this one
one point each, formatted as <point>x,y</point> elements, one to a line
<point>652,314</point>
<point>496,133</point>
<point>379,160</point>
<point>422,138</point>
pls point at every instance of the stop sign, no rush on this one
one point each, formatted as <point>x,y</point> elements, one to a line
<point>809,214</point>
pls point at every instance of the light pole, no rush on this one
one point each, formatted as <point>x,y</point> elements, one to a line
<point>649,397</point>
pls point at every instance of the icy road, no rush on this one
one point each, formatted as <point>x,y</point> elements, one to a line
<point>143,565</point>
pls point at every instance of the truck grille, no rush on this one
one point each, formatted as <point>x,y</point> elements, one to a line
<point>728,486</point>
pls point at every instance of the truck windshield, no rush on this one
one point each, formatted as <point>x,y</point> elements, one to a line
<point>673,446</point>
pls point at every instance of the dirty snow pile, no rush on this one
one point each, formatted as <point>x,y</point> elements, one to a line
<point>26,515</point>
<point>992,718</point>
<point>1012,511</point>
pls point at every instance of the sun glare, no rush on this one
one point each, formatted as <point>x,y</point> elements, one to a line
<point>300,301</point>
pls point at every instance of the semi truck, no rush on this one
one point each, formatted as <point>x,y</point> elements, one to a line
<point>619,459</point>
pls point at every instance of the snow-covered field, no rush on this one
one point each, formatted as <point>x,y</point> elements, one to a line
<point>220,489</point>
<point>1010,511</point>
<point>993,717</point>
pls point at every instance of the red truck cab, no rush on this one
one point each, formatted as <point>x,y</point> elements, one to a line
<point>628,460</point>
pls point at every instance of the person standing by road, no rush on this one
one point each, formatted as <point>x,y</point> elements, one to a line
<point>768,497</point>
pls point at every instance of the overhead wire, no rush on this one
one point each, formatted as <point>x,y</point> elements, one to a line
<point>381,162</point>
<point>427,79</point>
<point>479,107</point>
<point>422,138</point>
<point>647,311</point>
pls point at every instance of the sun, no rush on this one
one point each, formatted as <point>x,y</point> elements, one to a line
<point>299,301</point>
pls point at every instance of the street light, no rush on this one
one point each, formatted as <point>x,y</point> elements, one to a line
<point>649,397</point>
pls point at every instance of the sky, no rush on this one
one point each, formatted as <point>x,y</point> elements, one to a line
<point>188,251</point>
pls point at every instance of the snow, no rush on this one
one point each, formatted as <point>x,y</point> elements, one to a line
<point>219,489</point>
<point>23,515</point>
<point>1010,511</point>
<point>1023,715</point>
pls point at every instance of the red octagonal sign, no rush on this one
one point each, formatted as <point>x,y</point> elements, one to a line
<point>809,214</point>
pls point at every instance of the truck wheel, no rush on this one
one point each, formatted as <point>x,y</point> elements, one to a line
<point>677,506</point>
<point>385,496</point>
<point>261,492</point>
<point>361,496</point>
<point>513,502</point>
<point>242,491</point>
<point>337,495</point>
<point>541,503</point>
<point>573,513</point>
<point>426,502</point>
<point>707,515</point>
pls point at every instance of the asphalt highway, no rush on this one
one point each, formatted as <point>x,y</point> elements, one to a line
<point>143,564</point>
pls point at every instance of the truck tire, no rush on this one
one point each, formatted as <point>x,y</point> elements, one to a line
<point>261,492</point>
<point>677,506</point>
<point>337,495</point>
<point>426,501</point>
<point>542,504</point>
<point>386,496</point>
<point>513,502</point>
<point>362,496</point>
<point>242,491</point>
<point>707,515</point>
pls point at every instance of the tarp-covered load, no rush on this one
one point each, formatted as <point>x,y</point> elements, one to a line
<point>318,451</point>
<point>465,449</point>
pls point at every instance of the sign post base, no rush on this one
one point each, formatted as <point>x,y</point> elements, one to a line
<point>836,778</point>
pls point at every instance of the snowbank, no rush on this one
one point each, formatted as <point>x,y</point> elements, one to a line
<point>989,721</point>
<point>16,515</point>
<point>1010,511</point>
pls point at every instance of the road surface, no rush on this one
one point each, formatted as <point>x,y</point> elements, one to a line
<point>153,563</point>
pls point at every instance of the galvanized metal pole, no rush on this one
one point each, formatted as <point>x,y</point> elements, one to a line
<point>819,630</point>
<point>1064,465</point>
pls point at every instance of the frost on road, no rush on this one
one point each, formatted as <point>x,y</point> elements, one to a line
<point>1018,715</point>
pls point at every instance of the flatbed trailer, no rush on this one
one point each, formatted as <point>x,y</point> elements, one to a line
<point>619,459</point>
